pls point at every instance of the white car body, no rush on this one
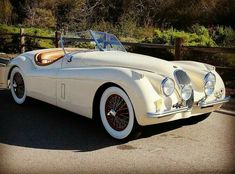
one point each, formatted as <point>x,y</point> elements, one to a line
<point>74,85</point>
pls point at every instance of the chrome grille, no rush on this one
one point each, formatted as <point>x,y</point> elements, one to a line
<point>190,101</point>
<point>182,78</point>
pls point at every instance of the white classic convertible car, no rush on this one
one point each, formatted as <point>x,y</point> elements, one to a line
<point>124,89</point>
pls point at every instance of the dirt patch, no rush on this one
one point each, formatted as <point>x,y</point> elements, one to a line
<point>126,147</point>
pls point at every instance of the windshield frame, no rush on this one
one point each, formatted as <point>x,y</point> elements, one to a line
<point>93,34</point>
<point>98,46</point>
<point>95,39</point>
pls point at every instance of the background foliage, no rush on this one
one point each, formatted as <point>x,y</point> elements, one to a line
<point>120,14</point>
<point>158,21</point>
<point>199,22</point>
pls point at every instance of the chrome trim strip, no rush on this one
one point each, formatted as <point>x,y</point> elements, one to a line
<point>206,104</point>
<point>165,113</point>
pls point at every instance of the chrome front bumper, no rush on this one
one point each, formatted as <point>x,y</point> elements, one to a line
<point>204,104</point>
<point>201,104</point>
<point>167,112</point>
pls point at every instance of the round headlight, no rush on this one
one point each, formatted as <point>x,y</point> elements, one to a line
<point>186,92</point>
<point>209,82</point>
<point>209,87</point>
<point>210,77</point>
<point>168,86</point>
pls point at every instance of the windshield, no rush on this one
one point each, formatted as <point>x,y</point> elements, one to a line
<point>92,40</point>
<point>106,41</point>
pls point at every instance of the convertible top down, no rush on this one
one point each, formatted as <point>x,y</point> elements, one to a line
<point>123,89</point>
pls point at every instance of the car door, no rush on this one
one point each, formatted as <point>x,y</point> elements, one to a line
<point>68,86</point>
<point>72,87</point>
<point>42,82</point>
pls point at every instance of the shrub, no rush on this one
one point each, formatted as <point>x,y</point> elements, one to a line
<point>224,36</point>
<point>198,38</point>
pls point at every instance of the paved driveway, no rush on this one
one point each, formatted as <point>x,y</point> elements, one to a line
<point>40,138</point>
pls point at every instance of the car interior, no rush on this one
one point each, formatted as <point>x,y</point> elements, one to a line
<point>50,56</point>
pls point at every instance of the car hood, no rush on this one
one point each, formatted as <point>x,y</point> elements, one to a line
<point>127,60</point>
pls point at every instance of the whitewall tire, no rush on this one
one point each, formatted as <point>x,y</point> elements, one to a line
<point>117,114</point>
<point>17,86</point>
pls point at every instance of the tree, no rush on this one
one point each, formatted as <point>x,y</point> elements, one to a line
<point>6,11</point>
<point>40,17</point>
<point>68,13</point>
<point>83,14</point>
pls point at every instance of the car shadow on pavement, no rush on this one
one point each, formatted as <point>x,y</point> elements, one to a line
<point>43,126</point>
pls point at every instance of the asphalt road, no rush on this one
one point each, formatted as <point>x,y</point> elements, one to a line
<point>40,138</point>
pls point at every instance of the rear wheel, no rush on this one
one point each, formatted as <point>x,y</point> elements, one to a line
<point>117,114</point>
<point>17,86</point>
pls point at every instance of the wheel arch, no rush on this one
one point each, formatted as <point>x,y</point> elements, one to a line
<point>10,71</point>
<point>97,97</point>
<point>138,88</point>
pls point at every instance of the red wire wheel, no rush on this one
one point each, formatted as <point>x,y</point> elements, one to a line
<point>117,113</point>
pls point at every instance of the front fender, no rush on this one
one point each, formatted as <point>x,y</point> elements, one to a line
<point>87,80</point>
<point>138,86</point>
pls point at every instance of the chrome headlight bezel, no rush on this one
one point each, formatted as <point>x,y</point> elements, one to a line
<point>167,86</point>
<point>209,83</point>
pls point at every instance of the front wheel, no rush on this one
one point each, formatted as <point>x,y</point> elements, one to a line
<point>17,86</point>
<point>117,114</point>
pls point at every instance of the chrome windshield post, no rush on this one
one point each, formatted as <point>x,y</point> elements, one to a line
<point>66,55</point>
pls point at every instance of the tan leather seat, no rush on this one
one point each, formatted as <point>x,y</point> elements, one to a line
<point>49,57</point>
